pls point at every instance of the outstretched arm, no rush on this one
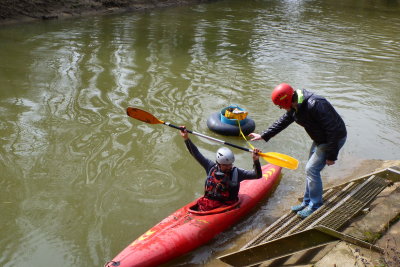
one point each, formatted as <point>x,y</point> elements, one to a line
<point>284,121</point>
<point>206,163</point>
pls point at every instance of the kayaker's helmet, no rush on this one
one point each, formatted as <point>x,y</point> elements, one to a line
<point>282,95</point>
<point>225,156</point>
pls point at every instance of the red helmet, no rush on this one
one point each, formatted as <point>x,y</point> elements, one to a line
<point>282,95</point>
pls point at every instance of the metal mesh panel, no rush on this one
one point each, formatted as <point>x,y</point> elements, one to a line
<point>340,205</point>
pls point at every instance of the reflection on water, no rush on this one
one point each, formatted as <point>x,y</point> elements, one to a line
<point>80,180</point>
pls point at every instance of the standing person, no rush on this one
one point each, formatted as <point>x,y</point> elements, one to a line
<point>223,179</point>
<point>325,127</point>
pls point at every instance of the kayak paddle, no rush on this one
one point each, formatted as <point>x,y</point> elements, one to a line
<point>275,158</point>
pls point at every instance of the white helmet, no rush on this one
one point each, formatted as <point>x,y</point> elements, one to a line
<point>225,156</point>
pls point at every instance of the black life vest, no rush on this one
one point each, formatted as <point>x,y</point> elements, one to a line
<point>220,186</point>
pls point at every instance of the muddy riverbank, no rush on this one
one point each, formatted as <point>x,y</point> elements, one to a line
<point>35,10</point>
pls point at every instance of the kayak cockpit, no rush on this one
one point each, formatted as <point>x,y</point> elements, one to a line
<point>194,210</point>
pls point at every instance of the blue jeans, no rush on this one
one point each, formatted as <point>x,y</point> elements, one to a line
<point>316,162</point>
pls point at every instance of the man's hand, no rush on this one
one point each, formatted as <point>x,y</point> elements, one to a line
<point>255,137</point>
<point>330,162</point>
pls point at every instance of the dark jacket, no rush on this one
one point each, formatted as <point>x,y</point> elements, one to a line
<point>320,120</point>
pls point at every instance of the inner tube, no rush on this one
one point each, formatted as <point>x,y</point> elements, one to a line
<point>231,128</point>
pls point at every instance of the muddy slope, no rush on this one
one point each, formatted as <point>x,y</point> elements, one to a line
<point>14,11</point>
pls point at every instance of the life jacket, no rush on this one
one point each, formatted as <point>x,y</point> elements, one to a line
<point>220,186</point>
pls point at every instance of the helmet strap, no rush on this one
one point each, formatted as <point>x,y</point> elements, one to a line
<point>218,167</point>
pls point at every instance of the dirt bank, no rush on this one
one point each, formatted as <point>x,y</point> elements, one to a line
<point>13,11</point>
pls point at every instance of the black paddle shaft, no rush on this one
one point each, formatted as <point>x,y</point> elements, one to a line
<point>208,137</point>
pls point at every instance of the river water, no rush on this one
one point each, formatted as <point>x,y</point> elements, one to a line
<point>80,180</point>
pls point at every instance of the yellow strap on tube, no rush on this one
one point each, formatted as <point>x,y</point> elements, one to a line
<point>241,133</point>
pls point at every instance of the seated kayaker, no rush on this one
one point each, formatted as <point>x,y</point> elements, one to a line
<point>223,179</point>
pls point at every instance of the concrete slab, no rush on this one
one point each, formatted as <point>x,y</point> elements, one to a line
<point>390,242</point>
<point>347,255</point>
<point>373,227</point>
<point>383,210</point>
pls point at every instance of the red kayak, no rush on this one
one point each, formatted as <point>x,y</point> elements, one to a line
<point>187,229</point>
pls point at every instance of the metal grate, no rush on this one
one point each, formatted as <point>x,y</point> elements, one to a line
<point>340,205</point>
<point>352,204</point>
<point>291,223</point>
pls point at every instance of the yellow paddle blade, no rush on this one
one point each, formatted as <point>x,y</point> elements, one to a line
<point>142,116</point>
<point>281,160</point>
<point>277,159</point>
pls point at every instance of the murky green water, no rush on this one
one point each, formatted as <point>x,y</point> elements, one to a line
<point>80,180</point>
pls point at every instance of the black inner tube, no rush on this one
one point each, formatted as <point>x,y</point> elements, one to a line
<point>215,124</point>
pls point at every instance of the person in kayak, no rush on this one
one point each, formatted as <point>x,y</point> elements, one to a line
<point>325,127</point>
<point>223,179</point>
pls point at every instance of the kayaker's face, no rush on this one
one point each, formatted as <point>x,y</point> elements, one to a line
<point>225,167</point>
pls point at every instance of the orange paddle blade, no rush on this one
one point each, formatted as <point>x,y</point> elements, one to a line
<point>142,116</point>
